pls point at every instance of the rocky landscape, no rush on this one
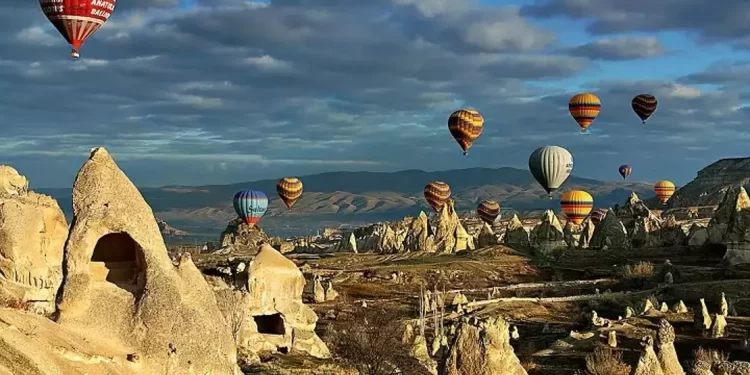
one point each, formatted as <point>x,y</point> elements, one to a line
<point>630,291</point>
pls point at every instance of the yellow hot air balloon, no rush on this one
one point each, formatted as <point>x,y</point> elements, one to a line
<point>576,205</point>
<point>437,194</point>
<point>289,190</point>
<point>465,125</point>
<point>664,190</point>
<point>584,108</point>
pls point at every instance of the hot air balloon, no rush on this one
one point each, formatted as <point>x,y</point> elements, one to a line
<point>597,215</point>
<point>644,105</point>
<point>488,211</point>
<point>584,108</point>
<point>289,190</point>
<point>551,167</point>
<point>625,171</point>
<point>250,205</point>
<point>77,20</point>
<point>437,194</point>
<point>664,190</point>
<point>465,126</point>
<point>576,205</point>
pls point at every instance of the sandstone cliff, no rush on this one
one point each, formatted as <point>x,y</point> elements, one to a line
<point>709,186</point>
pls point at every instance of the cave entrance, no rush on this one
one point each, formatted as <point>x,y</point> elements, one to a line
<point>270,324</point>
<point>119,260</point>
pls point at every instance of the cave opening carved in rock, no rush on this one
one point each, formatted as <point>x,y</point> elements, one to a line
<point>119,260</point>
<point>270,324</point>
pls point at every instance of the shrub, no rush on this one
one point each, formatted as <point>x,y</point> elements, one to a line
<point>640,270</point>
<point>606,361</point>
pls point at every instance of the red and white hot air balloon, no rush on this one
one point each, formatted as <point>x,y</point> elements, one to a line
<point>77,20</point>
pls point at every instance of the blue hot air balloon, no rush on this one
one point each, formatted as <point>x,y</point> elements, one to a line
<point>250,205</point>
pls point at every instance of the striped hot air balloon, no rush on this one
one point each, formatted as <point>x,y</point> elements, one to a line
<point>584,108</point>
<point>625,171</point>
<point>488,211</point>
<point>437,194</point>
<point>466,126</point>
<point>664,190</point>
<point>250,205</point>
<point>576,205</point>
<point>644,105</point>
<point>597,215</point>
<point>289,190</point>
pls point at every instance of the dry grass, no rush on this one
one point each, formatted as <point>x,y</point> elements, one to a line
<point>710,357</point>
<point>640,270</point>
<point>605,361</point>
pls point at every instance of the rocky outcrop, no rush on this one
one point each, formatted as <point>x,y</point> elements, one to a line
<point>33,231</point>
<point>168,230</point>
<point>419,236</point>
<point>121,288</point>
<point>486,236</point>
<point>241,238</point>
<point>670,233</point>
<point>610,233</point>
<point>572,234</point>
<point>697,235</point>
<point>667,355</point>
<point>516,234</point>
<point>446,224</point>
<point>730,226</point>
<point>648,363</point>
<point>711,182</point>
<point>547,237</point>
<point>348,244</point>
<point>587,233</point>
<point>483,349</point>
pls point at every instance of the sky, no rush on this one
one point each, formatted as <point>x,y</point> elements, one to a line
<point>201,92</point>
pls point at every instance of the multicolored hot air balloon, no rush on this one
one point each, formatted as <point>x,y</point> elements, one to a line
<point>644,105</point>
<point>597,215</point>
<point>664,190</point>
<point>466,126</point>
<point>488,211</point>
<point>250,205</point>
<point>437,194</point>
<point>576,205</point>
<point>289,190</point>
<point>625,171</point>
<point>551,167</point>
<point>77,20</point>
<point>584,108</point>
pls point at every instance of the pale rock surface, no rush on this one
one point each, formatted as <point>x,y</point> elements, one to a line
<point>612,339</point>
<point>516,234</point>
<point>319,294</point>
<point>648,363</point>
<point>629,313</point>
<point>724,305</point>
<point>572,234</point>
<point>463,240</point>
<point>664,308</point>
<point>331,294</point>
<point>483,349</point>
<point>419,236</point>
<point>242,238</point>
<point>667,355</point>
<point>610,233</point>
<point>646,306</point>
<point>420,352</point>
<point>587,232</point>
<point>680,308</point>
<point>719,326</point>
<point>121,288</point>
<point>33,231</point>
<point>702,318</point>
<point>547,237</point>
<point>269,315</point>
<point>730,210</point>
<point>348,244</point>
<point>450,235</point>
<point>697,235</point>
<point>383,240</point>
<point>486,237</point>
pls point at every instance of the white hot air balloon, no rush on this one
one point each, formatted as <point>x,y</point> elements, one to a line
<point>551,167</point>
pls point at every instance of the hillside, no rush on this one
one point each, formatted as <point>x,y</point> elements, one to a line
<point>359,197</point>
<point>708,187</point>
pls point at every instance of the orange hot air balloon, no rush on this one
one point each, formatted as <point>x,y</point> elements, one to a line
<point>664,190</point>
<point>584,108</point>
<point>466,126</point>
<point>437,194</point>
<point>289,190</point>
<point>488,211</point>
<point>576,205</point>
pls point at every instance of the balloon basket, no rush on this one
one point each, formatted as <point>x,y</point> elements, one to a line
<point>74,54</point>
<point>584,131</point>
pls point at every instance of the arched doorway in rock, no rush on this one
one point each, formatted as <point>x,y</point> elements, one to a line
<point>118,260</point>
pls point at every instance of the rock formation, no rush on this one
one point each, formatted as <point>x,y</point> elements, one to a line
<point>667,355</point>
<point>648,363</point>
<point>168,230</point>
<point>486,237</point>
<point>516,234</point>
<point>319,294</point>
<point>241,238</point>
<point>547,238</point>
<point>697,235</point>
<point>719,326</point>
<point>587,232</point>
<point>121,288</point>
<point>450,235</point>
<point>680,308</point>
<point>610,233</point>
<point>419,236</point>
<point>348,244</point>
<point>702,318</point>
<point>483,349</point>
<point>33,231</point>
<point>331,294</point>
<point>572,234</point>
<point>612,339</point>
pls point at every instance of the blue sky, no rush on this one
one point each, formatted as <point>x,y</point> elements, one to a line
<point>209,92</point>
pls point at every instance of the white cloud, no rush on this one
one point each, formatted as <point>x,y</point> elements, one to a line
<point>37,35</point>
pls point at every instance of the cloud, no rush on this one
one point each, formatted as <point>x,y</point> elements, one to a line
<point>624,48</point>
<point>237,90</point>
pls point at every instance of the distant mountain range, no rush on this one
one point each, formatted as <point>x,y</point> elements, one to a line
<point>334,198</point>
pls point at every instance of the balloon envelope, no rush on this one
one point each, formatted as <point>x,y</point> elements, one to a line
<point>551,166</point>
<point>437,194</point>
<point>250,205</point>
<point>664,190</point>
<point>644,105</point>
<point>466,126</point>
<point>625,171</point>
<point>488,211</point>
<point>77,20</point>
<point>584,108</point>
<point>597,215</point>
<point>576,205</point>
<point>289,190</point>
